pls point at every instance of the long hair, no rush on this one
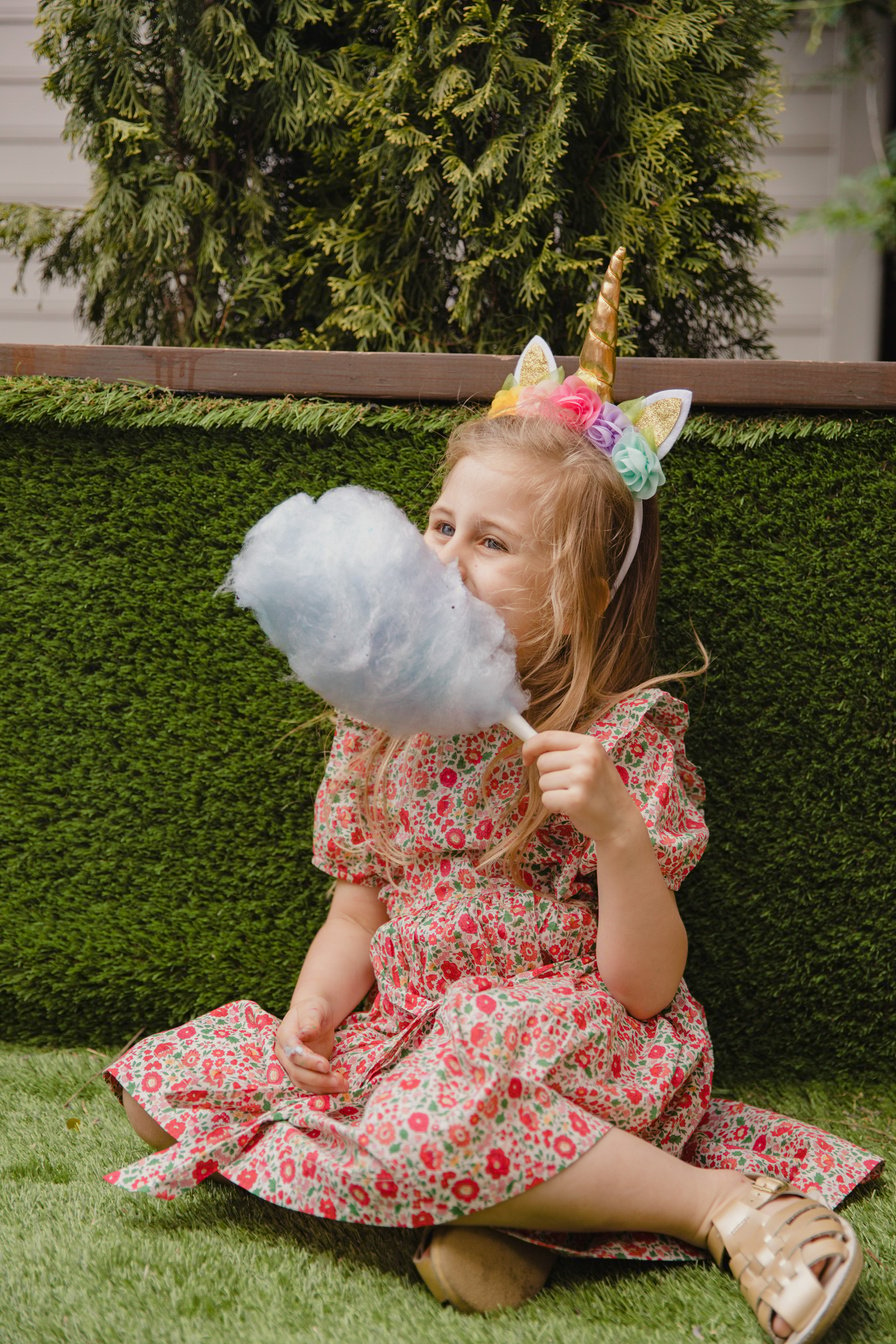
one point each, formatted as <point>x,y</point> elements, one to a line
<point>592,649</point>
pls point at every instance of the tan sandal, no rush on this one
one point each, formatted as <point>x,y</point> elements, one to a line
<point>477,1269</point>
<point>770,1238</point>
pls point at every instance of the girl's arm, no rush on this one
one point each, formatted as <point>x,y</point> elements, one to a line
<point>641,941</point>
<point>335,976</point>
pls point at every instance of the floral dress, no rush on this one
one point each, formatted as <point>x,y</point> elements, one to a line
<point>491,1055</point>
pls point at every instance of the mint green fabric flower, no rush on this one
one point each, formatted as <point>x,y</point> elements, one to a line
<point>638,464</point>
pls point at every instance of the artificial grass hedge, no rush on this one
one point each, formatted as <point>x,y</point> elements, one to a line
<point>157,820</point>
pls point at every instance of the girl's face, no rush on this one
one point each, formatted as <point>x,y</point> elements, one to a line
<point>483,519</point>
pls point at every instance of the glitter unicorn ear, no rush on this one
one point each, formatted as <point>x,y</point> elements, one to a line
<point>535,364</point>
<point>535,367</point>
<point>657,420</point>
<point>663,417</point>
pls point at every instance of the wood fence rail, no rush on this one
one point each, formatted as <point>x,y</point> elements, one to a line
<point>366,375</point>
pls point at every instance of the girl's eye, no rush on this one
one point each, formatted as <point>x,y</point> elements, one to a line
<point>445,529</point>
<point>494,545</point>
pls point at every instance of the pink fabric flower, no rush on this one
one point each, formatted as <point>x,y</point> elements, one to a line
<point>571,403</point>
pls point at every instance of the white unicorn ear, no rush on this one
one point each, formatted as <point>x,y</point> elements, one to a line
<point>535,363</point>
<point>665,413</point>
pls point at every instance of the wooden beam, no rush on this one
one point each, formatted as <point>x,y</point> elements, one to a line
<point>362,375</point>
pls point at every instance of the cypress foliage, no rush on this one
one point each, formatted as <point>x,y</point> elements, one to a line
<point>401,174</point>
<point>500,153</point>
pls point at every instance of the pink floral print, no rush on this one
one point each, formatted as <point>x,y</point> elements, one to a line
<point>491,1055</point>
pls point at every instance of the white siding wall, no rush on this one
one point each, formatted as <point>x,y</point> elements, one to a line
<point>35,165</point>
<point>828,285</point>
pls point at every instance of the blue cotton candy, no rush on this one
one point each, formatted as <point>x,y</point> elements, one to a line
<point>371,620</point>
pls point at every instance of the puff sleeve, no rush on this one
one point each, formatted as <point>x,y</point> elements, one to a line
<point>644,737</point>
<point>342,844</point>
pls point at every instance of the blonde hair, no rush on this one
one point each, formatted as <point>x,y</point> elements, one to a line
<point>592,650</point>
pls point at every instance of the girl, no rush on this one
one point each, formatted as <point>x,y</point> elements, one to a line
<point>522,1064</point>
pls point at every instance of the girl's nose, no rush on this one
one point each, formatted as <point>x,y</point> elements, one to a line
<point>453,550</point>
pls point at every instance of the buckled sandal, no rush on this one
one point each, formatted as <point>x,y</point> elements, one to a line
<point>476,1269</point>
<point>770,1238</point>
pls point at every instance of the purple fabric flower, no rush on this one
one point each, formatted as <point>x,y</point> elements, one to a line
<point>608,427</point>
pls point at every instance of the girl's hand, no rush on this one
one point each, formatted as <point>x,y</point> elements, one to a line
<point>579,780</point>
<point>304,1043</point>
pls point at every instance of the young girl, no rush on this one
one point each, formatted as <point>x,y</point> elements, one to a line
<point>531,1057</point>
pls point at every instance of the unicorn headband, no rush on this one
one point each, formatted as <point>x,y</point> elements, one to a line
<point>635,435</point>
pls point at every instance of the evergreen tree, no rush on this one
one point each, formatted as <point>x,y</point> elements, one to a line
<point>410,175</point>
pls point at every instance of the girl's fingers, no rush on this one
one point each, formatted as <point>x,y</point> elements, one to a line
<point>555,740</point>
<point>562,766</point>
<point>557,780</point>
<point>309,1072</point>
<point>308,1081</point>
<point>585,749</point>
<point>561,800</point>
<point>304,1057</point>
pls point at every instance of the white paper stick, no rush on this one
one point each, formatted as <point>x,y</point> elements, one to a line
<point>517,724</point>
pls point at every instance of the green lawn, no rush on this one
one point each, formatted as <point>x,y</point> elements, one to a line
<point>84,1264</point>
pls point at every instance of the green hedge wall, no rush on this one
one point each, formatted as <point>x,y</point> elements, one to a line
<point>156,816</point>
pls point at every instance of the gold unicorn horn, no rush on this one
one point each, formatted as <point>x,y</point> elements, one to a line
<point>597,362</point>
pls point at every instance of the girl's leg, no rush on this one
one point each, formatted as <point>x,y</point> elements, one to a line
<point>143,1125</point>
<point>622,1184</point>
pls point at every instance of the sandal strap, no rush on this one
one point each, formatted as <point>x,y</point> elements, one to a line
<point>770,1237</point>
<point>739,1210</point>
<point>775,1276</point>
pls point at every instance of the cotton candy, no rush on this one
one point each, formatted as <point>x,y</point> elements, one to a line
<point>371,620</point>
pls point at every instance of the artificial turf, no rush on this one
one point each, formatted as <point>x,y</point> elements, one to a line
<point>83,1263</point>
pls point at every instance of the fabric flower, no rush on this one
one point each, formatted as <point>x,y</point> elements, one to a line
<point>504,402</point>
<point>606,431</point>
<point>638,464</point>
<point>571,403</point>
<point>578,403</point>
